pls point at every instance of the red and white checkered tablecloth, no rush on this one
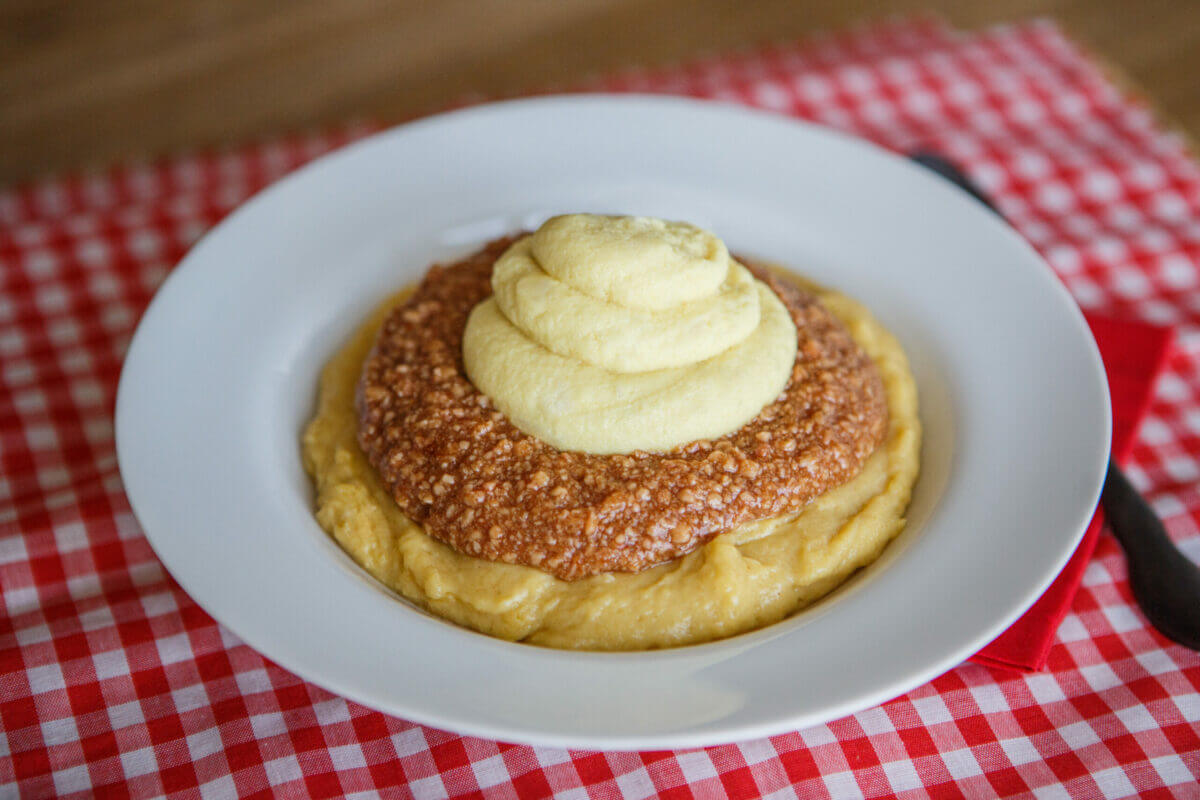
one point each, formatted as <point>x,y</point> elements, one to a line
<point>112,681</point>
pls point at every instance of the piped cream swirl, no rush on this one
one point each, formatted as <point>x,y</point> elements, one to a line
<point>614,334</point>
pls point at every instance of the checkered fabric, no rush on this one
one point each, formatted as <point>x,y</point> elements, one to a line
<point>113,681</point>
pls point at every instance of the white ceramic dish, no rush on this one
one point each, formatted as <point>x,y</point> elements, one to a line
<point>220,380</point>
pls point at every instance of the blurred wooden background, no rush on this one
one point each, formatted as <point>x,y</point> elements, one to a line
<point>85,82</point>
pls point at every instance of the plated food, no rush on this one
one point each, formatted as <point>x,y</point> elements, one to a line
<point>610,434</point>
<point>218,388</point>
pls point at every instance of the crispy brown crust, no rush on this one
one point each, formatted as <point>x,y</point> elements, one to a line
<point>458,467</point>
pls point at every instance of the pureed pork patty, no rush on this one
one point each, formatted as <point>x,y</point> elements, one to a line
<point>474,481</point>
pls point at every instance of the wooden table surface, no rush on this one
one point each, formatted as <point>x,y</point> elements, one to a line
<point>87,82</point>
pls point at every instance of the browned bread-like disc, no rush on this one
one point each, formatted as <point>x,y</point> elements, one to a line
<point>474,481</point>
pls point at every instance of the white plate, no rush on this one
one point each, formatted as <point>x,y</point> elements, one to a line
<point>221,376</point>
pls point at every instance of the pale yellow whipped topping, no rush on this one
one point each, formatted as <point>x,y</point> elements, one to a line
<point>613,334</point>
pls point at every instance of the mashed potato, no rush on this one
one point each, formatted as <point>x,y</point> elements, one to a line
<point>740,580</point>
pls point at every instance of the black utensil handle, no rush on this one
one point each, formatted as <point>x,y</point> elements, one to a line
<point>1159,574</point>
<point>1164,582</point>
<point>936,163</point>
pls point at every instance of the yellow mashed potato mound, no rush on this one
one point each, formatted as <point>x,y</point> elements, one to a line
<point>614,334</point>
<point>741,580</point>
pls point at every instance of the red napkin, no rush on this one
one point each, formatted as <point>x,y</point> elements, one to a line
<point>1134,353</point>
